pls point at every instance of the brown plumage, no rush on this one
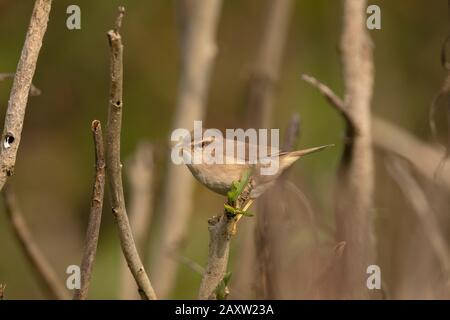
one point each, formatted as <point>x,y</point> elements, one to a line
<point>219,177</point>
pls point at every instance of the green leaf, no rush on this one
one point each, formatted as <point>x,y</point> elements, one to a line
<point>247,213</point>
<point>238,187</point>
<point>230,209</point>
<point>221,290</point>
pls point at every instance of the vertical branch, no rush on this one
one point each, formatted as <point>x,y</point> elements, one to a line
<point>354,190</point>
<point>114,166</point>
<point>221,229</point>
<point>140,173</point>
<point>45,274</point>
<point>266,72</point>
<point>262,90</point>
<point>20,90</point>
<point>267,238</point>
<point>220,234</point>
<point>292,133</point>
<point>198,33</point>
<point>356,182</point>
<point>95,215</point>
<point>140,176</point>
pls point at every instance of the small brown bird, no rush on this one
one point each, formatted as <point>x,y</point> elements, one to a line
<point>219,177</point>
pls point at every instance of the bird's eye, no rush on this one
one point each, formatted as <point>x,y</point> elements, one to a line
<point>205,143</point>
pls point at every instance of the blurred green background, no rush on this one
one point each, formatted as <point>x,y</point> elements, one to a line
<point>54,170</point>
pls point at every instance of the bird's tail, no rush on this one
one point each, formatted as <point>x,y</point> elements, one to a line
<point>301,153</point>
<point>288,158</point>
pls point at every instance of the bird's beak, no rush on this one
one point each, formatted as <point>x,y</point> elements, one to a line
<point>304,152</point>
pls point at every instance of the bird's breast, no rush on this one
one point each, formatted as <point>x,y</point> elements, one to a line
<point>217,177</point>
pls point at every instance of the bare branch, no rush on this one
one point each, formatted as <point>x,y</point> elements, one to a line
<point>392,138</point>
<point>266,71</point>
<point>333,99</point>
<point>262,88</point>
<point>328,94</point>
<point>354,193</point>
<point>267,244</point>
<point>114,166</point>
<point>33,90</point>
<point>198,31</point>
<point>140,177</point>
<point>95,215</point>
<point>324,275</point>
<point>220,234</point>
<point>119,19</point>
<point>424,211</point>
<point>292,133</point>
<point>260,106</point>
<point>45,274</point>
<point>221,229</point>
<point>17,104</point>
<point>194,266</point>
<point>424,157</point>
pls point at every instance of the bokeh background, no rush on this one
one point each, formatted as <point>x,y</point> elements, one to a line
<point>54,170</point>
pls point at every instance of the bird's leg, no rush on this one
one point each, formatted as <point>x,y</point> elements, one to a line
<point>247,205</point>
<point>240,215</point>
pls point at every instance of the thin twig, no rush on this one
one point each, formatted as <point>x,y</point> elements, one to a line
<point>114,166</point>
<point>45,274</point>
<point>423,156</point>
<point>194,266</point>
<point>33,90</point>
<point>292,133</point>
<point>140,177</point>
<point>328,94</point>
<point>323,279</point>
<point>331,97</point>
<point>425,213</point>
<point>199,21</point>
<point>392,138</point>
<point>291,137</point>
<point>20,90</point>
<point>95,215</point>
